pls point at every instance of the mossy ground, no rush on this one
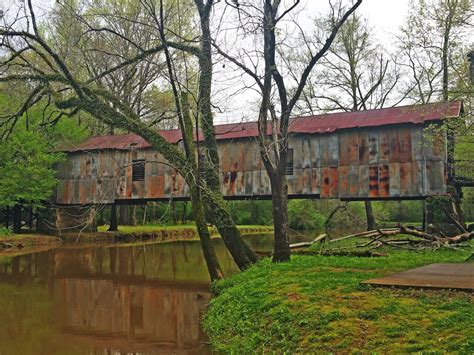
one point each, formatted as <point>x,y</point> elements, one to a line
<point>317,304</point>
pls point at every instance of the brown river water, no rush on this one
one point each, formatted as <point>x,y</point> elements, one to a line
<point>123,299</point>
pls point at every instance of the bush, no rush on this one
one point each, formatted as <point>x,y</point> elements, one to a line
<point>5,231</point>
<point>303,215</point>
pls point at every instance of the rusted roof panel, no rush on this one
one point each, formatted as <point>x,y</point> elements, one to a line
<point>325,123</point>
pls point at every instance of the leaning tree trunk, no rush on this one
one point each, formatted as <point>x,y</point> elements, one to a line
<point>208,250</point>
<point>281,251</point>
<point>220,216</point>
<point>242,254</point>
<point>371,225</point>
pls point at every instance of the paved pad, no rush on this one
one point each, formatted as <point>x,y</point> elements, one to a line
<point>452,276</point>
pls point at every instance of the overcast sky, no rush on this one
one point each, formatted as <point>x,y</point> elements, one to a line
<point>385,16</point>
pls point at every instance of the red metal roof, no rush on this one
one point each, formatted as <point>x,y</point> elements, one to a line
<point>324,123</point>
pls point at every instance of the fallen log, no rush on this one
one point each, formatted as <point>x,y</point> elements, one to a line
<point>308,244</point>
<point>4,245</point>
<point>356,253</point>
<point>458,238</point>
<point>415,233</point>
<point>368,234</point>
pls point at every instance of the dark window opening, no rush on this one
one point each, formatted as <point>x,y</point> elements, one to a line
<point>138,170</point>
<point>289,162</point>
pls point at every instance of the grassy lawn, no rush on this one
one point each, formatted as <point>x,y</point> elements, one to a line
<point>317,304</point>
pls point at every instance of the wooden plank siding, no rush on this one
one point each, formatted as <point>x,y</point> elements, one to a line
<point>396,161</point>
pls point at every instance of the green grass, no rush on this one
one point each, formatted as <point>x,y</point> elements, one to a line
<point>317,304</point>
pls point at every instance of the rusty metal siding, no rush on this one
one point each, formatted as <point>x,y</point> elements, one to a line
<point>375,162</point>
<point>384,180</point>
<point>343,181</point>
<point>374,146</point>
<point>384,145</point>
<point>405,140</point>
<point>394,173</point>
<point>315,151</point>
<point>306,152</point>
<point>325,182</point>
<point>329,147</point>
<point>353,181</point>
<point>363,147</point>
<point>373,181</point>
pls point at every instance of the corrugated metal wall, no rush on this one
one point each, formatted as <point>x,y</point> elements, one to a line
<point>382,162</point>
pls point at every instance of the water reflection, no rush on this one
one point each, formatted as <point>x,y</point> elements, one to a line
<point>109,299</point>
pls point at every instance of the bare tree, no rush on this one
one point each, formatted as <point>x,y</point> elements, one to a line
<point>354,75</point>
<point>434,43</point>
<point>28,51</point>
<point>263,20</point>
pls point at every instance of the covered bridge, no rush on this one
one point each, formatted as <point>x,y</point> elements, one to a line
<point>374,154</point>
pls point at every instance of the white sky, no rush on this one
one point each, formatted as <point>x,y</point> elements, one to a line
<point>385,16</point>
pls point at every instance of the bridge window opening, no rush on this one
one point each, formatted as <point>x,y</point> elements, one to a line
<point>138,170</point>
<point>289,162</point>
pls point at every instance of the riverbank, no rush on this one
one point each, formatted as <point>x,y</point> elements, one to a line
<point>129,234</point>
<point>18,244</point>
<point>317,304</point>
<point>126,234</point>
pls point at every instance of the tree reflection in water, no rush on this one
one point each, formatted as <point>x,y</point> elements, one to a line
<point>111,299</point>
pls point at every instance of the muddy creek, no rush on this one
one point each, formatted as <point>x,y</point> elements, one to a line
<point>119,299</point>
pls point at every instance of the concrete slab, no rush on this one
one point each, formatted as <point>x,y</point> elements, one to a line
<point>437,276</point>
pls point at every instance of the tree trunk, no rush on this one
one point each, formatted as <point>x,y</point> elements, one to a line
<point>30,218</point>
<point>173,212</point>
<point>17,219</point>
<point>281,250</point>
<point>371,225</point>
<point>113,219</point>
<point>215,271</point>
<point>101,220</point>
<point>425,216</point>
<point>216,206</point>
<point>133,216</point>
<point>144,215</point>
<point>124,215</point>
<point>184,213</point>
<point>7,217</point>
<point>221,218</point>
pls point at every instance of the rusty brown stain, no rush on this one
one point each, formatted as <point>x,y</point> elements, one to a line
<point>405,145</point>
<point>374,181</point>
<point>343,180</point>
<point>354,181</point>
<point>394,145</point>
<point>326,182</point>
<point>405,179</point>
<point>363,147</point>
<point>384,181</point>
<point>315,180</point>
<point>334,183</point>
<point>384,144</point>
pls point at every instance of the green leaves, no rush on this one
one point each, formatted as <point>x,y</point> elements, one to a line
<point>26,169</point>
